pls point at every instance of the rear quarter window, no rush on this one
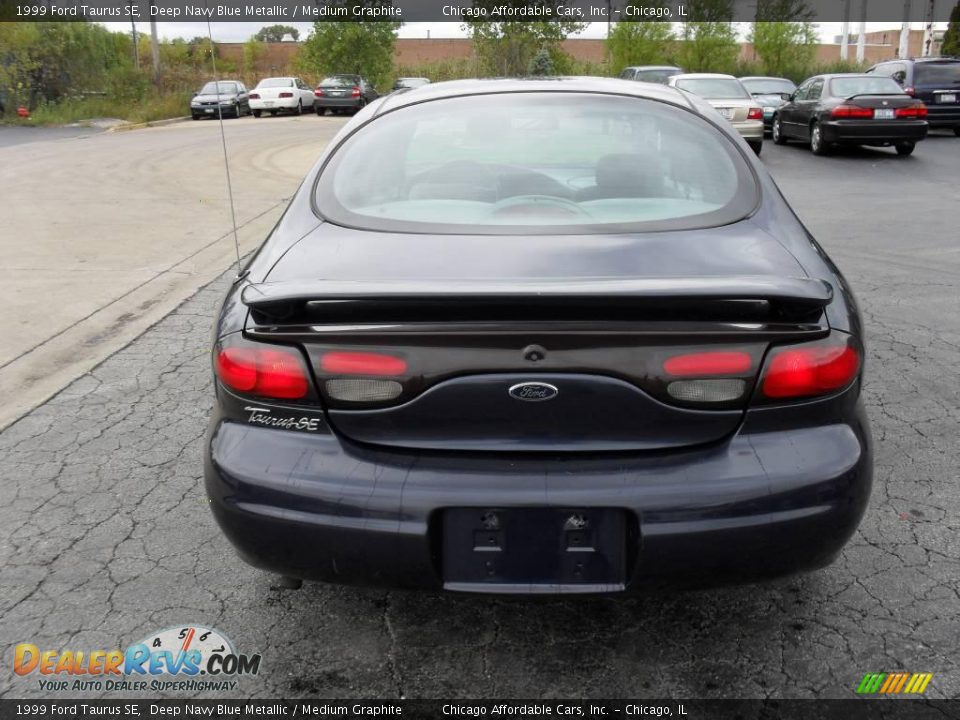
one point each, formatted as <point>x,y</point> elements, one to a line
<point>947,74</point>
<point>536,163</point>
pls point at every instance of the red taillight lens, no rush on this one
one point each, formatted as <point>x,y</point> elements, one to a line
<point>807,371</point>
<point>286,95</point>
<point>708,364</point>
<point>356,92</point>
<point>254,96</point>
<point>275,372</point>
<point>918,112</point>
<point>755,114</point>
<point>318,92</point>
<point>362,363</point>
<point>851,111</point>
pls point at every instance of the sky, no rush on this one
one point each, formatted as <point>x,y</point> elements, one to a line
<point>241,31</point>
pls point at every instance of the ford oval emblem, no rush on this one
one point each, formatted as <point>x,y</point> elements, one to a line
<point>533,391</point>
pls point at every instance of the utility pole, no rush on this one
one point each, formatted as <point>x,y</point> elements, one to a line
<point>845,39</point>
<point>904,50</point>
<point>928,29</point>
<point>154,47</point>
<point>136,47</point>
<point>862,36</point>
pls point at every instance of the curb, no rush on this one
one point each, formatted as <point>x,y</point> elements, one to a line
<point>151,123</point>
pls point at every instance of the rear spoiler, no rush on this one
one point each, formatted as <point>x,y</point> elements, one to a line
<point>793,297</point>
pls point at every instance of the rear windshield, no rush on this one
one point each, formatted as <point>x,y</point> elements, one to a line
<point>540,162</point>
<point>660,75</point>
<point>224,88</point>
<point>768,86</point>
<point>937,74</point>
<point>714,88</point>
<point>847,87</point>
<point>340,81</point>
<point>275,82</point>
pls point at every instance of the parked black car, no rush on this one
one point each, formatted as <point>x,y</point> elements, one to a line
<point>851,109</point>
<point>770,93</point>
<point>650,73</point>
<point>343,93</point>
<point>229,97</point>
<point>478,353</point>
<point>935,81</point>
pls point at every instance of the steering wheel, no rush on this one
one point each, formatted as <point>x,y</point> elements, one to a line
<point>511,205</point>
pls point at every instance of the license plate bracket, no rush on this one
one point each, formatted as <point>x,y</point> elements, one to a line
<point>534,549</point>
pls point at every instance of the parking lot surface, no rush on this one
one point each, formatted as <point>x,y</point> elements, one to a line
<point>105,535</point>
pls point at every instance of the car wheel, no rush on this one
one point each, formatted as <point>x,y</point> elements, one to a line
<point>956,130</point>
<point>817,143</point>
<point>196,117</point>
<point>777,131</point>
<point>273,113</point>
<point>299,109</point>
<point>756,147</point>
<point>256,113</point>
<point>905,148</point>
<point>320,111</point>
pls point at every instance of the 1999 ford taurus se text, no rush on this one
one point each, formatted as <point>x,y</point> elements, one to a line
<point>550,336</point>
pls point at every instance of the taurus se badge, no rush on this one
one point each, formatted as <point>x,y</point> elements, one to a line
<point>533,391</point>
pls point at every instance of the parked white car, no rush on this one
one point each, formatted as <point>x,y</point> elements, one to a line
<point>288,94</point>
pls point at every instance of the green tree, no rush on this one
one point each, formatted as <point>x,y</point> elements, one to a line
<point>253,52</point>
<point>785,49</point>
<point>709,40</point>
<point>360,46</point>
<point>951,38</point>
<point>507,48</point>
<point>640,43</point>
<point>275,33</point>
<point>542,64</point>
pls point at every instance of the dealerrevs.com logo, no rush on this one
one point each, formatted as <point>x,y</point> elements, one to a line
<point>190,658</point>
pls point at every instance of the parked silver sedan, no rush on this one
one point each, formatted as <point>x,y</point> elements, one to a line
<point>730,98</point>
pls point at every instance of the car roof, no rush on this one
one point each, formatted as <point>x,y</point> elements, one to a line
<point>651,67</point>
<point>764,77</point>
<point>703,76</point>
<point>462,88</point>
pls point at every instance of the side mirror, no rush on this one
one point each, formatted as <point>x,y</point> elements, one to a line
<point>791,97</point>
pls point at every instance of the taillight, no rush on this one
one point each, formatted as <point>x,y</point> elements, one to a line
<point>254,96</point>
<point>699,377</point>
<point>851,111</point>
<point>318,92</point>
<point>708,363</point>
<point>355,92</point>
<point>755,114</point>
<point>910,91</point>
<point>268,371</point>
<point>918,112</point>
<point>286,95</point>
<point>339,362</point>
<point>802,371</point>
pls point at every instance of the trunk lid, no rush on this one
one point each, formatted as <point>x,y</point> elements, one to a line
<point>538,343</point>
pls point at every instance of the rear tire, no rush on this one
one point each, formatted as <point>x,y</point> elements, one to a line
<point>273,113</point>
<point>299,110</point>
<point>777,131</point>
<point>817,143</point>
<point>905,148</point>
<point>956,130</point>
<point>256,113</point>
<point>320,111</point>
<point>756,147</point>
<point>196,117</point>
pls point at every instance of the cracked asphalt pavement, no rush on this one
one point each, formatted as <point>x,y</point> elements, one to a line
<point>105,535</point>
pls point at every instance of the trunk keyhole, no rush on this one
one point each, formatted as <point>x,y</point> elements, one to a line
<point>534,353</point>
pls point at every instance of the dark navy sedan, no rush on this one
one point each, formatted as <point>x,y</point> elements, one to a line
<point>538,336</point>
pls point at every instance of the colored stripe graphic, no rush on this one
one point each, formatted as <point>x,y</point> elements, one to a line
<point>894,683</point>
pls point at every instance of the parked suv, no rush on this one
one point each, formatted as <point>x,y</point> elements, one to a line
<point>936,81</point>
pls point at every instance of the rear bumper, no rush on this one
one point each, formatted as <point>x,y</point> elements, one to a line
<point>278,104</point>
<point>866,132</point>
<point>943,115</point>
<point>750,129</point>
<point>334,102</point>
<point>758,505</point>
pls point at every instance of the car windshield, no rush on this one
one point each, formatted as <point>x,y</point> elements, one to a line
<point>544,162</point>
<point>340,81</point>
<point>714,88</point>
<point>945,74</point>
<point>275,82</point>
<point>226,88</point>
<point>660,75</point>
<point>768,86</point>
<point>866,85</point>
